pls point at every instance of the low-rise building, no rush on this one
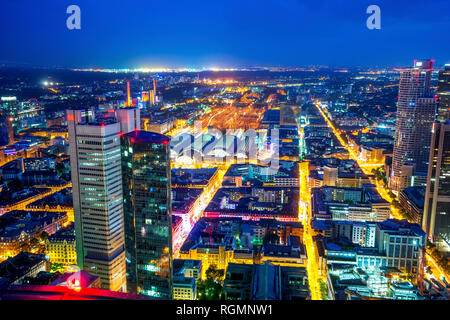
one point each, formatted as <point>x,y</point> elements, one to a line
<point>184,288</point>
<point>399,244</point>
<point>412,200</point>
<point>15,269</point>
<point>61,246</point>
<point>39,164</point>
<point>265,281</point>
<point>220,241</point>
<point>18,228</point>
<point>349,204</point>
<point>186,274</point>
<point>188,268</point>
<point>293,253</point>
<point>377,283</point>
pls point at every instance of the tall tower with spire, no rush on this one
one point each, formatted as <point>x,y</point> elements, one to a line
<point>154,92</point>
<point>129,102</point>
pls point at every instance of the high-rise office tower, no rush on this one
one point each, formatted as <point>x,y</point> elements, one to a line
<point>10,109</point>
<point>444,93</point>
<point>95,159</point>
<point>129,119</point>
<point>148,213</point>
<point>6,129</point>
<point>4,139</point>
<point>415,114</point>
<point>436,216</point>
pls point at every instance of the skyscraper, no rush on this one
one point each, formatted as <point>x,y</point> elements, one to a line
<point>10,109</point>
<point>148,214</point>
<point>444,93</point>
<point>129,119</point>
<point>95,159</point>
<point>415,114</point>
<point>436,216</point>
<point>5,130</point>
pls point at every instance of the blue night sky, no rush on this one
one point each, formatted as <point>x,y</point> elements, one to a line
<point>226,33</point>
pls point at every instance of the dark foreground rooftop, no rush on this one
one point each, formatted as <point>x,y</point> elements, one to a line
<point>40,292</point>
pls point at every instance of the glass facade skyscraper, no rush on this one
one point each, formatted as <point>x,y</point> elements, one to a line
<point>148,214</point>
<point>416,109</point>
<point>444,93</point>
<point>436,219</point>
<point>3,130</point>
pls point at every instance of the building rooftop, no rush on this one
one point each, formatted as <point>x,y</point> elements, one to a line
<point>67,234</point>
<point>16,267</point>
<point>402,227</point>
<point>147,137</point>
<point>415,195</point>
<point>179,265</point>
<point>61,198</point>
<point>8,197</point>
<point>11,226</point>
<point>184,198</point>
<point>42,292</point>
<point>85,279</point>
<point>192,176</point>
<point>243,201</point>
<point>214,232</point>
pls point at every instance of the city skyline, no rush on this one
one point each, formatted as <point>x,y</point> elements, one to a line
<point>163,203</point>
<point>271,150</point>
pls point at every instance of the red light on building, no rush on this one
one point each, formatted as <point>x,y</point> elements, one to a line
<point>74,284</point>
<point>70,117</point>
